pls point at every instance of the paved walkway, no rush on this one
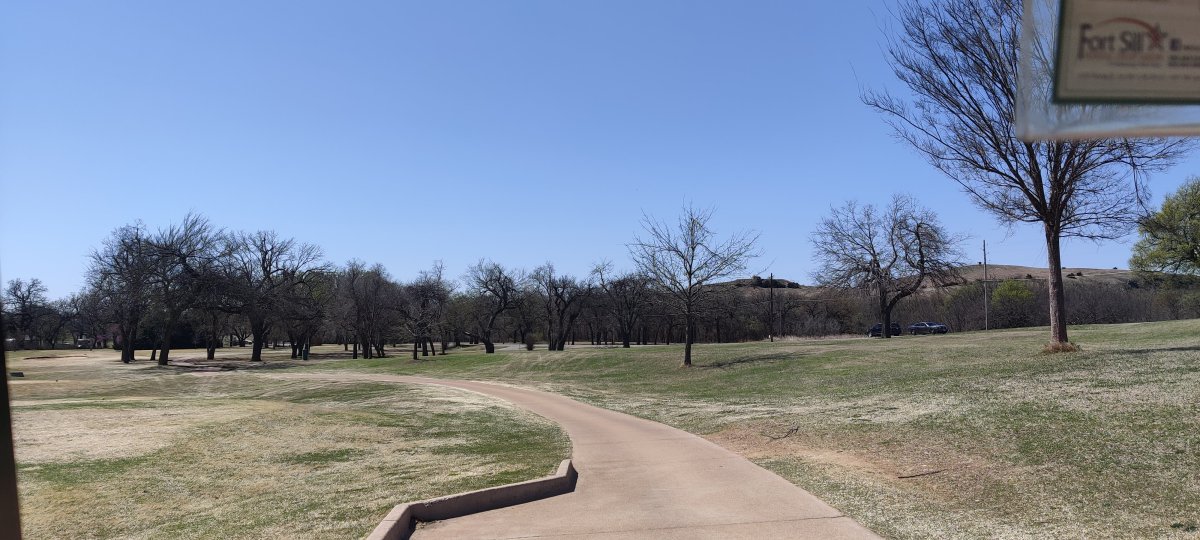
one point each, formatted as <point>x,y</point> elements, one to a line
<point>642,479</point>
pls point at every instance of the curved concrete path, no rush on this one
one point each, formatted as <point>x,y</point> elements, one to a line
<point>642,479</point>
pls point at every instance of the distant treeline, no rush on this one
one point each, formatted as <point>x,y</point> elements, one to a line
<point>195,286</point>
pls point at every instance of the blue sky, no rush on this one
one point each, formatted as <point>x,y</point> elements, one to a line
<point>404,132</point>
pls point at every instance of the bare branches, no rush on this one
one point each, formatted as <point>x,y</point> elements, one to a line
<point>959,60</point>
<point>682,261</point>
<point>893,253</point>
<point>494,290</point>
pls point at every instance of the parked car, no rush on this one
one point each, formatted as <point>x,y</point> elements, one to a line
<point>876,330</point>
<point>927,328</point>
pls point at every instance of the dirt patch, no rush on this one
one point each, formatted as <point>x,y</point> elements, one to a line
<point>754,443</point>
<point>82,433</point>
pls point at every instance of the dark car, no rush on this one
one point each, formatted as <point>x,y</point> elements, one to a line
<point>927,328</point>
<point>877,330</point>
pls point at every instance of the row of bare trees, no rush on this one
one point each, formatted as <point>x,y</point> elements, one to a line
<point>145,287</point>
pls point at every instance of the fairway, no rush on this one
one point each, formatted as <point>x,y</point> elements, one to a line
<point>107,450</point>
<point>962,435</point>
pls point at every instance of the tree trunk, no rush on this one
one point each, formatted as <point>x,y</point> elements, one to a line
<point>258,330</point>
<point>164,356</point>
<point>687,341</point>
<point>1058,301</point>
<point>127,344</point>
<point>488,346</point>
<point>885,316</point>
<point>415,348</point>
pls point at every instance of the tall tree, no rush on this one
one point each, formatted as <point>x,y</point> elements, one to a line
<point>684,260</point>
<point>892,253</point>
<point>183,255</point>
<point>959,60</point>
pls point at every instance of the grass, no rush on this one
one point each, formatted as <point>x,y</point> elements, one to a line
<point>107,450</point>
<point>963,435</point>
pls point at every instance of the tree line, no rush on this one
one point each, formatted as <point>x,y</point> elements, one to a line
<point>194,284</point>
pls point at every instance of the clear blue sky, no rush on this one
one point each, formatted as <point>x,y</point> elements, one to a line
<point>404,132</point>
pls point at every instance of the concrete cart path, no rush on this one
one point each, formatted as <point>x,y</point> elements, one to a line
<point>642,479</point>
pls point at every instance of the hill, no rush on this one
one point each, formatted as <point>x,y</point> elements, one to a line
<point>1111,276</point>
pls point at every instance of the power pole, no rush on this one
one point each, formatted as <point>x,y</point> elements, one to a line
<point>985,286</point>
<point>771,307</point>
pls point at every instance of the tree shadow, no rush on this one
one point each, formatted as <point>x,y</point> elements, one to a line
<point>1190,348</point>
<point>755,359</point>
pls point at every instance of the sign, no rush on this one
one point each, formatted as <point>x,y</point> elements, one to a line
<point>1128,51</point>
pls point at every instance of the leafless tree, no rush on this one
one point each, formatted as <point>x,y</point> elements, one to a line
<point>892,254</point>
<point>55,317</point>
<point>959,60</point>
<point>24,303</point>
<point>494,290</point>
<point>368,305</point>
<point>182,254</point>
<point>121,273</point>
<point>682,261</point>
<point>264,272</point>
<point>426,298</point>
<point>90,319</point>
<point>624,297</point>
<point>562,299</point>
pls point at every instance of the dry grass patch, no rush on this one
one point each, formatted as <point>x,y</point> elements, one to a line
<point>153,453</point>
<point>958,436</point>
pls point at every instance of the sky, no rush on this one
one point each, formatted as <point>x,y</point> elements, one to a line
<point>408,132</point>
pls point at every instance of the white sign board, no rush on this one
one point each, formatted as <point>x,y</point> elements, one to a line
<point>1128,51</point>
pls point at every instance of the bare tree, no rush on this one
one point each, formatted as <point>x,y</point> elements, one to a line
<point>55,317</point>
<point>368,305</point>
<point>24,302</point>
<point>959,60</point>
<point>90,320</point>
<point>182,254</point>
<point>121,273</point>
<point>426,298</point>
<point>892,254</point>
<point>624,298</point>
<point>263,272</point>
<point>682,261</point>
<point>494,291</point>
<point>562,299</point>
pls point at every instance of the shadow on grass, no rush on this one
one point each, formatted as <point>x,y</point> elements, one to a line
<point>1148,350</point>
<point>756,359</point>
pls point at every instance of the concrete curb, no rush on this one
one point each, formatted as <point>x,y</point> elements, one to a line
<point>402,520</point>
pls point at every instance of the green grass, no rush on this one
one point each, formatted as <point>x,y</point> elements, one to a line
<point>107,450</point>
<point>994,437</point>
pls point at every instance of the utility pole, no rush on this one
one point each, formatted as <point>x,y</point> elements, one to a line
<point>771,307</point>
<point>985,286</point>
